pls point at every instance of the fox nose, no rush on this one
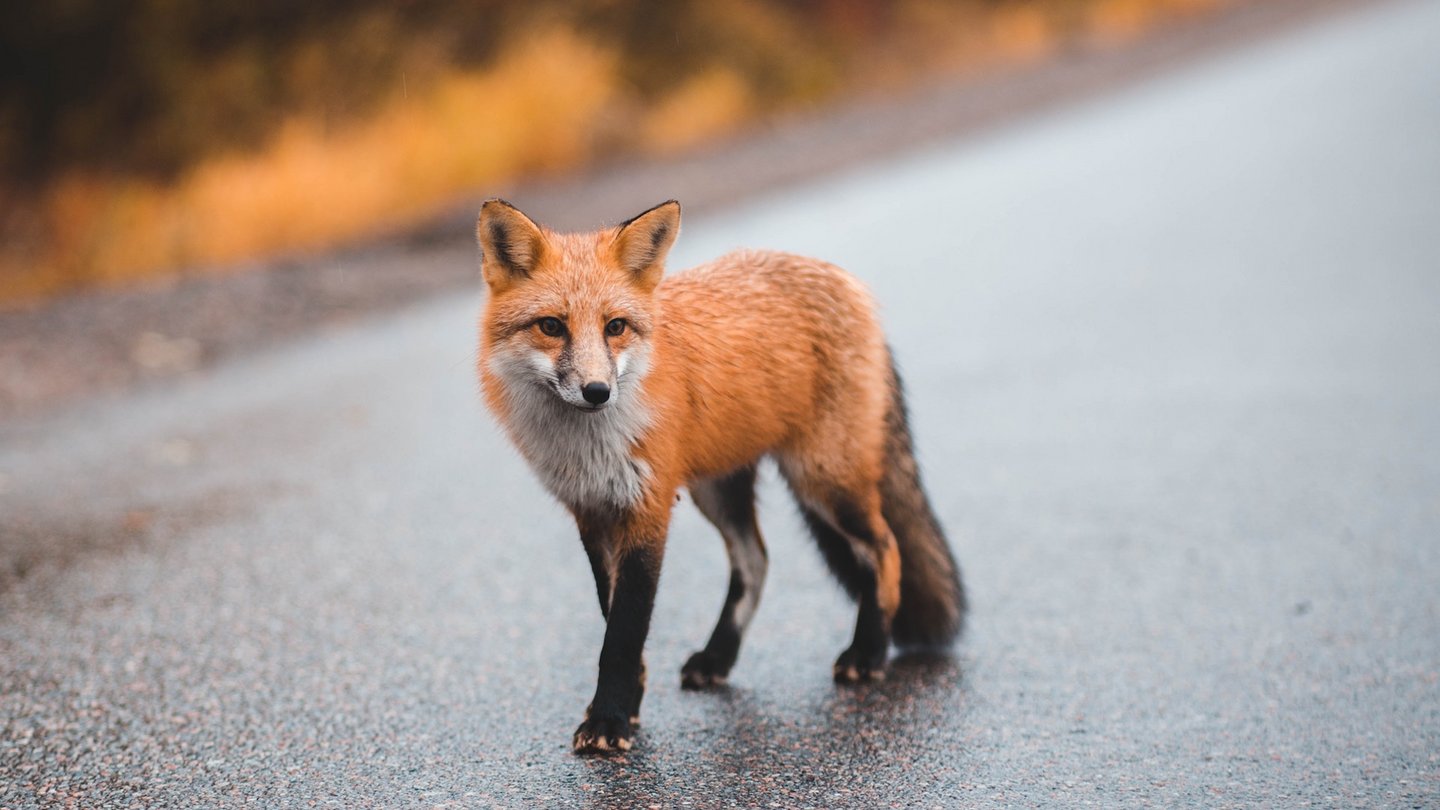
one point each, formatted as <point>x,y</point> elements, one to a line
<point>595,393</point>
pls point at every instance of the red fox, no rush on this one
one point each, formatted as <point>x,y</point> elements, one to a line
<point>619,388</point>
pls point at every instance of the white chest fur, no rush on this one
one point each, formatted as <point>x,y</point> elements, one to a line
<point>584,459</point>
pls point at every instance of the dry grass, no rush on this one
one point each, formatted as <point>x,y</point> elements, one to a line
<point>532,112</point>
<point>550,102</point>
<point>713,104</point>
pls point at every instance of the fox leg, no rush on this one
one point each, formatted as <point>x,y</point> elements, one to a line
<point>600,568</point>
<point>865,658</point>
<point>596,551</point>
<point>729,503</point>
<point>636,548</point>
<point>862,553</point>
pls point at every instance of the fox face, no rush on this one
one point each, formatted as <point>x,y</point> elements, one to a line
<point>572,313</point>
<point>582,335</point>
<point>566,344</point>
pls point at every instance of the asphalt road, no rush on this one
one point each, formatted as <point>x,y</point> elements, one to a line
<point>1173,361</point>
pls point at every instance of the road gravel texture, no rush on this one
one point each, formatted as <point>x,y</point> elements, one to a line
<point>1172,357</point>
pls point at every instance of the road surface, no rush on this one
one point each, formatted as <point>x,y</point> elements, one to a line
<point>1172,357</point>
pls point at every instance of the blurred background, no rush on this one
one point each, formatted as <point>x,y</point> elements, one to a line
<point>149,137</point>
<point>1160,274</point>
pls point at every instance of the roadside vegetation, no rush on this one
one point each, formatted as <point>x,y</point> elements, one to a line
<point>152,137</point>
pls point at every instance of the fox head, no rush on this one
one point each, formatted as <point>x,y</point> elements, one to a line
<point>572,313</point>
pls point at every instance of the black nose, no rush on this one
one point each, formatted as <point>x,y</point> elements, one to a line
<point>595,393</point>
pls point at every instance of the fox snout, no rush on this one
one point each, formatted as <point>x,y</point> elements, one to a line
<point>586,394</point>
<point>586,373</point>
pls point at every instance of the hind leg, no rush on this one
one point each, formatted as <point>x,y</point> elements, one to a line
<point>862,552</point>
<point>729,503</point>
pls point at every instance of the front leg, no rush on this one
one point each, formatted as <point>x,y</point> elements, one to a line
<point>599,555</point>
<point>608,724</point>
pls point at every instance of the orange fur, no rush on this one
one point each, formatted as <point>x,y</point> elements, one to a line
<point>754,353</point>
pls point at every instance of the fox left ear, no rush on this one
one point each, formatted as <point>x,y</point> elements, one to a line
<point>511,244</point>
<point>642,242</point>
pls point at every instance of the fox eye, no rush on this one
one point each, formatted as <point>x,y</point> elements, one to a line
<point>551,326</point>
<point>615,327</point>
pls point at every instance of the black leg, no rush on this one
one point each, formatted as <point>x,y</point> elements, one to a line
<point>600,568</point>
<point>864,659</point>
<point>639,696</point>
<point>711,666</point>
<point>729,503</point>
<point>618,690</point>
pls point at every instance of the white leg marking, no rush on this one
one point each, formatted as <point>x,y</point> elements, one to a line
<point>743,545</point>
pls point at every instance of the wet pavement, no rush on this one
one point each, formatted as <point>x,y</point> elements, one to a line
<point>1172,360</point>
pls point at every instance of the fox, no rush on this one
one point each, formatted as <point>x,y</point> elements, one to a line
<point>620,386</point>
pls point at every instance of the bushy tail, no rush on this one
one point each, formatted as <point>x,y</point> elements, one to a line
<point>932,599</point>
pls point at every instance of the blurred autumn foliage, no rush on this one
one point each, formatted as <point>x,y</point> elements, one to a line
<point>144,136</point>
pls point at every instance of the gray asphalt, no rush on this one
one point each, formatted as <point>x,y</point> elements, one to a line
<point>1172,357</point>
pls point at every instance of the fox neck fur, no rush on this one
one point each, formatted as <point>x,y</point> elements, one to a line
<point>586,460</point>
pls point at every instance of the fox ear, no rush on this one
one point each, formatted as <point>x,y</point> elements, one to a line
<point>642,242</point>
<point>510,243</point>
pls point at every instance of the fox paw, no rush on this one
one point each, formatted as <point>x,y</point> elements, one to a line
<point>598,735</point>
<point>854,666</point>
<point>704,669</point>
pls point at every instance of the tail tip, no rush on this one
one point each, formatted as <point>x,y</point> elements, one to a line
<point>937,627</point>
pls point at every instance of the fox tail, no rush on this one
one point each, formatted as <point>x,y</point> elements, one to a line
<point>932,598</point>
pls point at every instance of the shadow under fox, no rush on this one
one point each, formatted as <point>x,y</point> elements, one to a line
<point>620,387</point>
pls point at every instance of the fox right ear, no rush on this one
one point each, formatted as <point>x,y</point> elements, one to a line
<point>510,243</point>
<point>641,242</point>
